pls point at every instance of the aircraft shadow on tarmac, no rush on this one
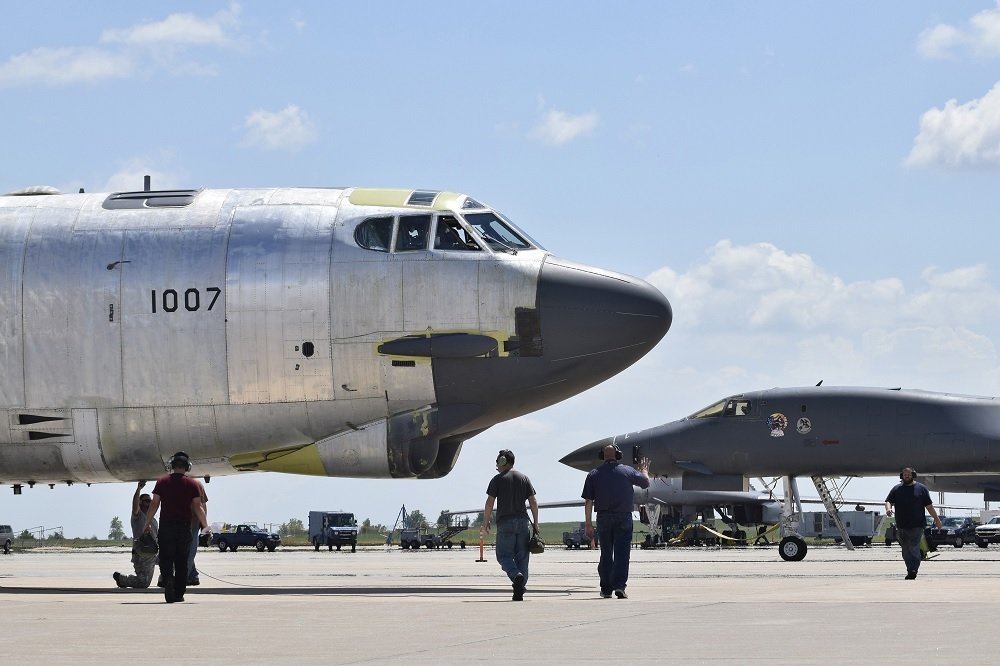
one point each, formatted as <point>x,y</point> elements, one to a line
<point>280,591</point>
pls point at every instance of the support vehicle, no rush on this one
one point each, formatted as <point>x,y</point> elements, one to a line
<point>246,535</point>
<point>6,538</point>
<point>988,533</point>
<point>577,538</point>
<point>861,526</point>
<point>333,528</point>
<point>954,531</point>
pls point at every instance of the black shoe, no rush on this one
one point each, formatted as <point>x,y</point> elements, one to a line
<point>194,581</point>
<point>518,587</point>
<point>168,595</point>
<point>605,595</point>
<point>159,581</point>
<point>621,594</point>
<point>179,599</point>
<point>910,575</point>
<point>118,579</point>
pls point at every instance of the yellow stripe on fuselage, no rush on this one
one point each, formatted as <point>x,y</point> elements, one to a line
<point>390,198</point>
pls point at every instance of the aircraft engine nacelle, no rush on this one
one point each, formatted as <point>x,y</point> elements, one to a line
<point>771,512</point>
<point>405,445</point>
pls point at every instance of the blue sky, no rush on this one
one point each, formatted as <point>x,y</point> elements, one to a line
<point>813,185</point>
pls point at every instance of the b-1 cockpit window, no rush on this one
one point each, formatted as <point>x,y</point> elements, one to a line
<point>727,407</point>
<point>413,233</point>
<point>450,235</point>
<point>375,233</point>
<point>497,233</point>
<point>737,408</point>
<point>712,410</point>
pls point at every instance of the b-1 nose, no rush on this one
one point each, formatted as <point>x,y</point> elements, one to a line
<point>586,457</point>
<point>598,317</point>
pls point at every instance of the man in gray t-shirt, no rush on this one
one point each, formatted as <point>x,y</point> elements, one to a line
<point>144,563</point>
<point>508,491</point>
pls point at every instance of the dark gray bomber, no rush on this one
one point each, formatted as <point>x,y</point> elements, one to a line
<point>818,430</point>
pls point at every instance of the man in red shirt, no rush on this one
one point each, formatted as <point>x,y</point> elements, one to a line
<point>180,497</point>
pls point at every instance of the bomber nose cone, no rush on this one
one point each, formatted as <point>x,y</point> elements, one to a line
<point>588,456</point>
<point>604,319</point>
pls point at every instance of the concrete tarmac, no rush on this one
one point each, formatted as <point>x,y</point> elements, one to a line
<point>378,606</point>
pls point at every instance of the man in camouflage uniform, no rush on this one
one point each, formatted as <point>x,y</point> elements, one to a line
<point>144,563</point>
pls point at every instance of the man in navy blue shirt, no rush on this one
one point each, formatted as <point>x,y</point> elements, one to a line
<point>910,499</point>
<point>608,489</point>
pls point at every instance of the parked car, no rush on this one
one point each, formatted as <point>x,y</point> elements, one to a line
<point>988,533</point>
<point>6,538</point>
<point>954,531</point>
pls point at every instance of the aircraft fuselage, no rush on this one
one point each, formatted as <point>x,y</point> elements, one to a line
<point>341,332</point>
<point>819,431</point>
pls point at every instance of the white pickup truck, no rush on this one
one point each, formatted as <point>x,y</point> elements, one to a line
<point>988,533</point>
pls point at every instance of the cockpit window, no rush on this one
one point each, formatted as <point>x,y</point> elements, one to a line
<point>737,408</point>
<point>450,235</point>
<point>711,410</point>
<point>497,233</point>
<point>413,233</point>
<point>375,233</point>
<point>727,407</point>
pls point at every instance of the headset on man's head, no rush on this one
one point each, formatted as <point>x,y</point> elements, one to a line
<point>618,452</point>
<point>505,457</point>
<point>912,471</point>
<point>180,458</point>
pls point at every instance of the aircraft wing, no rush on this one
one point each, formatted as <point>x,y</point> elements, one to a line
<point>541,505</point>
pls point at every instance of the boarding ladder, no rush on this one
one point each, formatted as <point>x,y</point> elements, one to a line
<point>830,495</point>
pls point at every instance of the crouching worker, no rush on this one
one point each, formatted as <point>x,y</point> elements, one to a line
<point>143,557</point>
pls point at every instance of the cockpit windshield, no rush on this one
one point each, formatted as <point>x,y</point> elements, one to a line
<point>726,407</point>
<point>496,232</point>
<point>712,410</point>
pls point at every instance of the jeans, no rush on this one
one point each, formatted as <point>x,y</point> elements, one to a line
<point>614,532</point>
<point>512,546</point>
<point>909,541</point>
<point>192,572</point>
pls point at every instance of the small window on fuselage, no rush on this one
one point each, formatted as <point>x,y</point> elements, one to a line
<point>413,233</point>
<point>375,233</point>
<point>450,235</point>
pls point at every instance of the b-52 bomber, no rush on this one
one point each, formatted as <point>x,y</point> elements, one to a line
<point>819,432</point>
<point>328,331</point>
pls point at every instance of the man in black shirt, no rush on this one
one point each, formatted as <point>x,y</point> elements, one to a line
<point>910,499</point>
<point>509,490</point>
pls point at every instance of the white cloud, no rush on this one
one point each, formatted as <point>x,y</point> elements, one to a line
<point>938,41</point>
<point>146,48</point>
<point>185,29</point>
<point>558,127</point>
<point>60,66</point>
<point>980,37</point>
<point>960,135</point>
<point>289,129</point>
<point>769,317</point>
<point>129,178</point>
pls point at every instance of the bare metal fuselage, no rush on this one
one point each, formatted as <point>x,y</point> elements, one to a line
<point>249,328</point>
